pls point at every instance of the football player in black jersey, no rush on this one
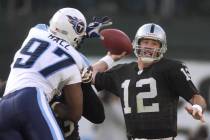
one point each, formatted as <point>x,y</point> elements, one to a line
<point>149,88</point>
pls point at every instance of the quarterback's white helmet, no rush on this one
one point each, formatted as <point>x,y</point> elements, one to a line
<point>68,24</point>
<point>154,32</point>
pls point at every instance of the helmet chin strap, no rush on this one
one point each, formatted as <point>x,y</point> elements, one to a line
<point>147,60</point>
<point>144,62</point>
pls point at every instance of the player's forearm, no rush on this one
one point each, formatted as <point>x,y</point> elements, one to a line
<point>106,63</point>
<point>63,112</point>
<point>93,109</point>
<point>102,65</point>
<point>199,100</point>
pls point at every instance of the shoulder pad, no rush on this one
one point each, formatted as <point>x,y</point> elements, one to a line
<point>41,27</point>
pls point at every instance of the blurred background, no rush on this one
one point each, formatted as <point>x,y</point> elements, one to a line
<point>186,22</point>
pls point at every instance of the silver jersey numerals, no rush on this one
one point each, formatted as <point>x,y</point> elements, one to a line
<point>141,108</point>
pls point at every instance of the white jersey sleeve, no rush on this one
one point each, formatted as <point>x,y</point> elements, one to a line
<point>75,76</point>
<point>46,62</point>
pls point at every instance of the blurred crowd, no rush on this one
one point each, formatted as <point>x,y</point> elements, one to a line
<point>165,9</point>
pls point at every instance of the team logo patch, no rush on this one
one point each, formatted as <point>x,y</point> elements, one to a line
<point>78,24</point>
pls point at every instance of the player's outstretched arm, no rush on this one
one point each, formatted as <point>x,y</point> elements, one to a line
<point>93,109</point>
<point>105,63</point>
<point>197,108</point>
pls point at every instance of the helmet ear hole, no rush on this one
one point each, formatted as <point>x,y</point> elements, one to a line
<point>160,43</point>
<point>139,41</point>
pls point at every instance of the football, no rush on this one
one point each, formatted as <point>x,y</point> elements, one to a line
<point>116,41</point>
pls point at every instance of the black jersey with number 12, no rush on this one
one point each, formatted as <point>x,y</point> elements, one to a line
<point>149,98</point>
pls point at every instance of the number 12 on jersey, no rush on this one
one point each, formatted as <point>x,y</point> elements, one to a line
<point>141,96</point>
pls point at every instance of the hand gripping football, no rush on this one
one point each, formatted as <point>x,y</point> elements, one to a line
<point>116,41</point>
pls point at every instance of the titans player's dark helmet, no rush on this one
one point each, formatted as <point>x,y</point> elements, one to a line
<point>154,32</point>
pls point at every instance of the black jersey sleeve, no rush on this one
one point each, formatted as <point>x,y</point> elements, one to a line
<point>93,109</point>
<point>180,79</point>
<point>106,80</point>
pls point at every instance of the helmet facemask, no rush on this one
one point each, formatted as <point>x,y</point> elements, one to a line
<point>148,54</point>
